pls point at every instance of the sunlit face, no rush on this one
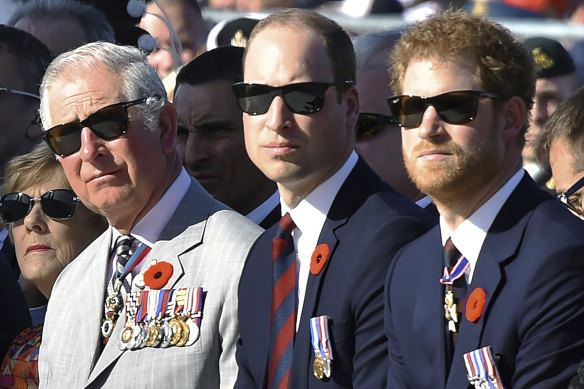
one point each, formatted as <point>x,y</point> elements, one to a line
<point>297,151</point>
<point>121,178</point>
<point>549,93</point>
<point>448,161</point>
<point>44,246</point>
<point>562,165</point>
<point>17,112</point>
<point>189,27</point>
<point>215,150</point>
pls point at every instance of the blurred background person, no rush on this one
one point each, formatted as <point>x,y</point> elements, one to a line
<point>209,116</point>
<point>62,24</point>
<point>49,227</point>
<point>561,145</point>
<point>378,138</point>
<point>23,60</point>
<point>180,32</point>
<point>556,80</point>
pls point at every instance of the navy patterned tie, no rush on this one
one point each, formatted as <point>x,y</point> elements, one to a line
<point>451,255</point>
<point>283,308</point>
<point>123,253</point>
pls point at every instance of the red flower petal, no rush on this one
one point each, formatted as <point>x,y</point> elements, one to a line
<point>319,258</point>
<point>475,304</point>
<point>158,275</point>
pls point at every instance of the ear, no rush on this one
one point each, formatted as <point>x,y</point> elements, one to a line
<point>167,127</point>
<point>514,115</point>
<point>352,103</point>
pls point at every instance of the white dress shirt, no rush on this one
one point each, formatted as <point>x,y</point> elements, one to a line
<point>309,216</point>
<point>470,235</point>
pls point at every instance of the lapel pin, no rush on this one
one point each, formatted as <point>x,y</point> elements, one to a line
<point>319,258</point>
<point>158,274</point>
<point>475,304</point>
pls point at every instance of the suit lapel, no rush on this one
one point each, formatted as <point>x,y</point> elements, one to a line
<point>183,232</point>
<point>501,244</point>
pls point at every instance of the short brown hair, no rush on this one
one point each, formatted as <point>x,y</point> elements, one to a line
<point>32,169</point>
<point>567,122</point>
<point>502,65</point>
<point>335,40</point>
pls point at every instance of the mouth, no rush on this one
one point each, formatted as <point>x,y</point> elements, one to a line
<point>433,154</point>
<point>101,175</point>
<point>38,247</point>
<point>278,149</point>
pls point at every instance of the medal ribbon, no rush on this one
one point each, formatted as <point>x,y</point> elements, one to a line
<point>481,367</point>
<point>143,310</point>
<point>320,337</point>
<point>456,272</point>
<point>141,252</point>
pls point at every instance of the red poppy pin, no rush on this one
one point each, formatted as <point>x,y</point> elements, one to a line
<point>475,304</point>
<point>158,275</point>
<point>319,258</point>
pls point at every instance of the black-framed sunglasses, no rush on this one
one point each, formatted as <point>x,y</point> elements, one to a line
<point>107,123</point>
<point>303,98</point>
<point>370,124</point>
<point>456,107</point>
<point>18,92</point>
<point>58,204</point>
<point>572,203</point>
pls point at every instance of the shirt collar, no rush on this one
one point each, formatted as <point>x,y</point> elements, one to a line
<point>470,235</point>
<point>264,209</point>
<point>148,229</point>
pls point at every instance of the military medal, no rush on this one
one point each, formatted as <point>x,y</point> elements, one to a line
<point>113,301</point>
<point>321,345</point>
<point>448,278</point>
<point>192,312</point>
<point>482,370</point>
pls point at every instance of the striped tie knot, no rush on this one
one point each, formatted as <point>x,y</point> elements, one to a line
<point>123,253</point>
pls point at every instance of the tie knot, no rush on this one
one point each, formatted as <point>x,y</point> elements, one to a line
<point>123,245</point>
<point>286,224</point>
<point>451,253</point>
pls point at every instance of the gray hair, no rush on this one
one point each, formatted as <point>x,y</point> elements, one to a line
<point>137,78</point>
<point>93,21</point>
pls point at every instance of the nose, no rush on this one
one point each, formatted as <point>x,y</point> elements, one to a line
<point>197,149</point>
<point>279,116</point>
<point>430,125</point>
<point>36,220</point>
<point>91,145</point>
<point>540,112</point>
<point>162,61</point>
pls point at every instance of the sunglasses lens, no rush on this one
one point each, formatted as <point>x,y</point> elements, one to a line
<point>456,107</point>
<point>64,139</point>
<point>14,207</point>
<point>408,110</point>
<point>59,203</point>
<point>254,99</point>
<point>305,98</point>
<point>108,123</point>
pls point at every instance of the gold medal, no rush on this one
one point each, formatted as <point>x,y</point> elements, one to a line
<point>127,334</point>
<point>318,368</point>
<point>176,331</point>
<point>153,336</point>
<point>186,331</point>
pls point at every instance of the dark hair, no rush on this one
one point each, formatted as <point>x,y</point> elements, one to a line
<point>335,40</point>
<point>32,56</point>
<point>93,21</point>
<point>567,122</point>
<point>221,63</point>
<point>501,62</point>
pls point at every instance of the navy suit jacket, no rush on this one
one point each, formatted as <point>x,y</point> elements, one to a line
<point>367,224</point>
<point>531,267</point>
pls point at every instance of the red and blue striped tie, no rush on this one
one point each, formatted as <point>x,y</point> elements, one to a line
<point>283,310</point>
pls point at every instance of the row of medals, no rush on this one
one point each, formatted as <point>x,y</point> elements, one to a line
<point>178,331</point>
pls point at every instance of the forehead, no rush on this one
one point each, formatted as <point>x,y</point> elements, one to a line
<point>79,91</point>
<point>431,76</point>
<point>280,54</point>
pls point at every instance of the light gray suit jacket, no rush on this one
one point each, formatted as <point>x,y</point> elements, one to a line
<point>207,245</point>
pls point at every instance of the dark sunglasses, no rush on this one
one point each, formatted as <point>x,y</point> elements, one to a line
<point>58,204</point>
<point>302,98</point>
<point>370,124</point>
<point>107,123</point>
<point>457,107</point>
<point>570,202</point>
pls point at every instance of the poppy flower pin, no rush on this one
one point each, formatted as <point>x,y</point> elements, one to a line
<point>319,258</point>
<point>158,275</point>
<point>475,304</point>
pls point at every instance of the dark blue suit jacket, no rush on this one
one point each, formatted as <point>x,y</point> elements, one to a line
<point>531,267</point>
<point>366,225</point>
